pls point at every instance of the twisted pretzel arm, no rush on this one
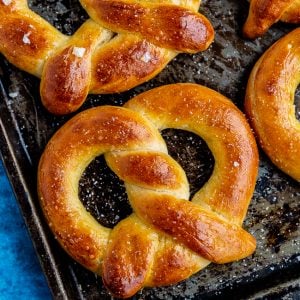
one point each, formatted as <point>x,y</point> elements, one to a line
<point>264,13</point>
<point>202,231</point>
<point>120,64</point>
<point>165,25</point>
<point>126,61</point>
<point>66,76</point>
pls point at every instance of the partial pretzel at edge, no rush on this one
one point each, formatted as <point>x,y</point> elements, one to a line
<point>270,105</point>
<point>93,60</point>
<point>264,13</point>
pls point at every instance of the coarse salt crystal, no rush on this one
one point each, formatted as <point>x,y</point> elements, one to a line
<point>13,94</point>
<point>78,52</point>
<point>26,39</point>
<point>6,2</point>
<point>235,164</point>
<point>146,57</point>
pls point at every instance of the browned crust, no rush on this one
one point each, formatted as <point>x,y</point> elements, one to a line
<point>66,77</point>
<point>270,103</point>
<point>125,62</point>
<point>26,42</point>
<point>147,170</point>
<point>174,263</point>
<point>264,13</point>
<point>166,230</point>
<point>128,257</point>
<point>165,25</point>
<point>200,230</point>
<point>65,81</point>
<point>225,130</point>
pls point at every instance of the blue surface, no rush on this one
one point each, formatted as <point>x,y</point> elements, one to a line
<point>21,275</point>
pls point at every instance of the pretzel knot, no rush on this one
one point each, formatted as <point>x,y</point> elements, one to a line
<point>264,13</point>
<point>167,238</point>
<point>95,59</point>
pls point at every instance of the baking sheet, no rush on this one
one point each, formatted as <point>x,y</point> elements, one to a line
<point>273,271</point>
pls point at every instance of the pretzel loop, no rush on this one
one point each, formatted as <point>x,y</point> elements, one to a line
<point>167,238</point>
<point>96,59</point>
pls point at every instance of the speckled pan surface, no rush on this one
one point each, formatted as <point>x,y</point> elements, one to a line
<point>273,217</point>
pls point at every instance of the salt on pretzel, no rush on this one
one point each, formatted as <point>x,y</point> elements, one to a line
<point>270,103</point>
<point>94,60</point>
<point>264,13</point>
<point>167,238</point>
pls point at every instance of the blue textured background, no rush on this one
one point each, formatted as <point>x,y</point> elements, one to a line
<point>21,275</point>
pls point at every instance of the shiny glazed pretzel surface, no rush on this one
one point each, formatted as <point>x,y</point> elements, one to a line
<point>270,103</point>
<point>96,59</point>
<point>264,13</point>
<point>167,238</point>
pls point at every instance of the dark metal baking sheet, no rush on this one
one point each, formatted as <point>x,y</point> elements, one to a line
<point>273,271</point>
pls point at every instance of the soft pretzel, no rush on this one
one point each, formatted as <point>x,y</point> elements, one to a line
<point>270,103</point>
<point>167,238</point>
<point>93,60</point>
<point>264,13</point>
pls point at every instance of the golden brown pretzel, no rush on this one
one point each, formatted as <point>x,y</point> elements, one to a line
<point>93,60</point>
<point>270,103</point>
<point>167,238</point>
<point>264,13</point>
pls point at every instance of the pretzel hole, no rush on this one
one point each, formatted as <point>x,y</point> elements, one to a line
<point>297,103</point>
<point>66,16</point>
<point>103,194</point>
<point>193,154</point>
